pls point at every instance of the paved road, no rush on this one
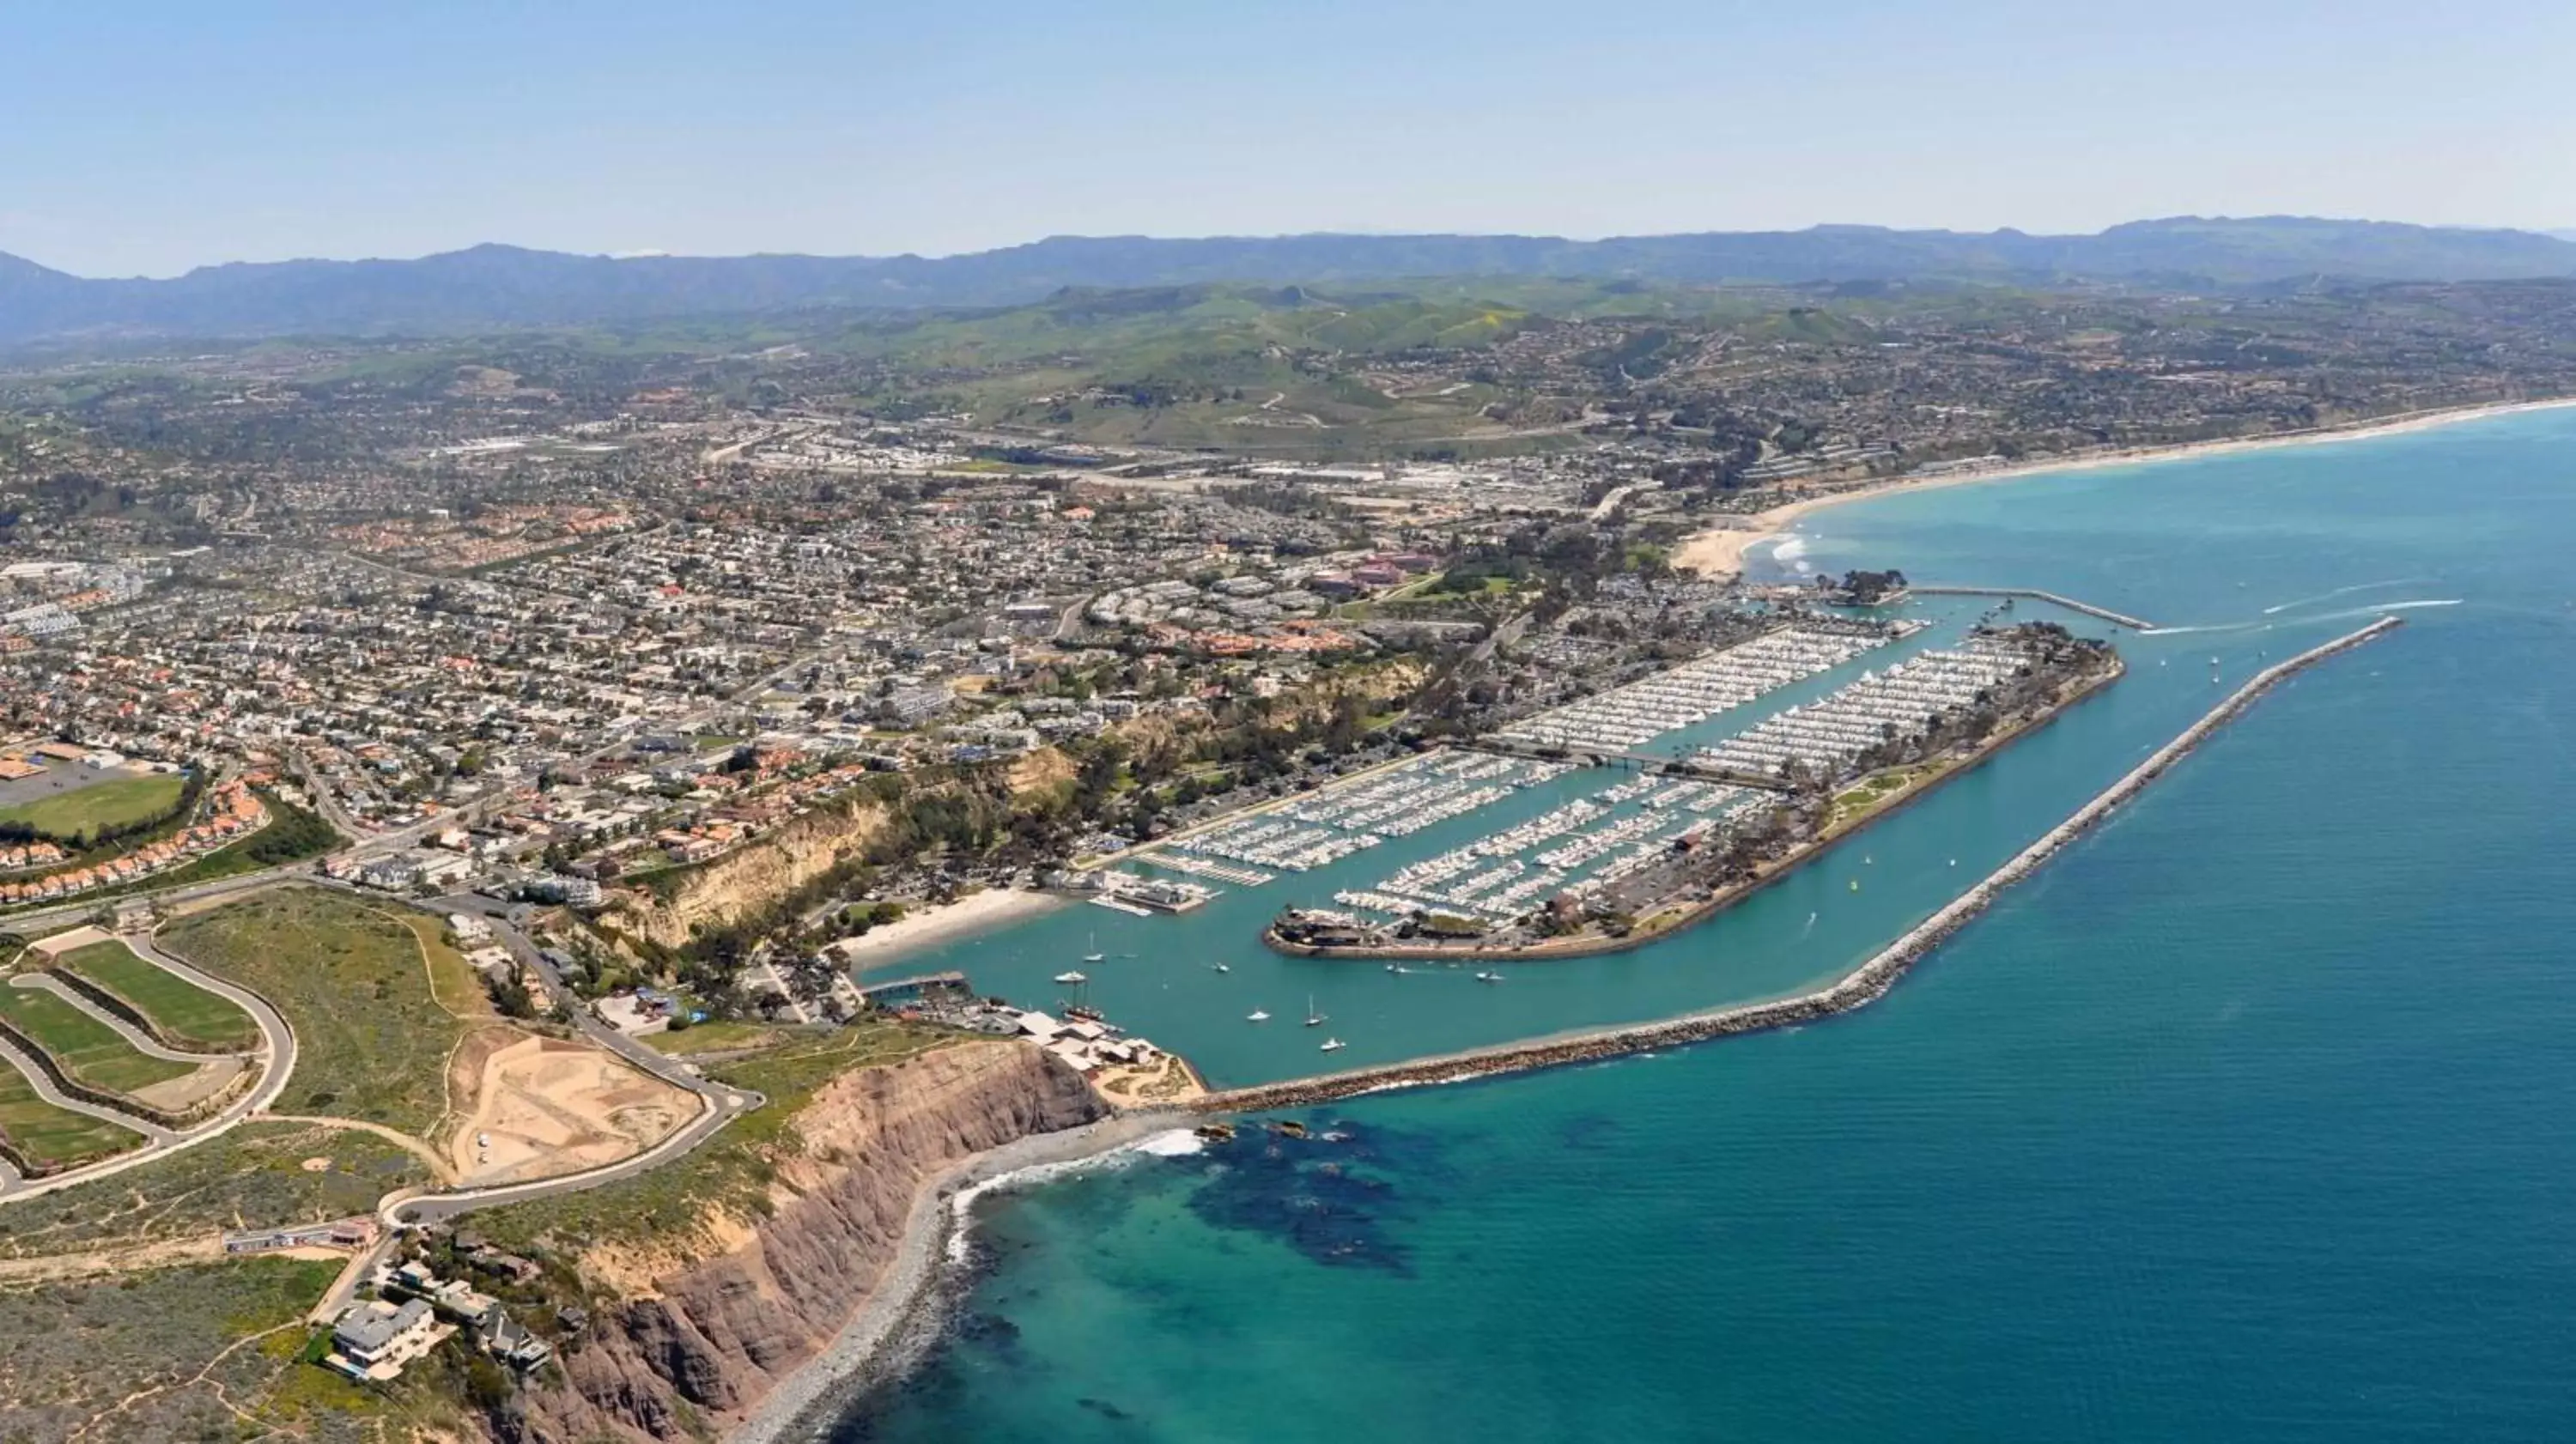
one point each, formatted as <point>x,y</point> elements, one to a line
<point>142,1042</point>
<point>723,1104</point>
<point>276,1056</point>
<point>276,1040</point>
<point>45,1089</point>
<point>497,916</point>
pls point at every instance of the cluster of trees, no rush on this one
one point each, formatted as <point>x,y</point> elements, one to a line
<point>103,836</point>
<point>1865,589</point>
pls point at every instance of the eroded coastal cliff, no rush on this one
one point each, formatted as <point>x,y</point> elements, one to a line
<point>709,1326</point>
<point>741,882</point>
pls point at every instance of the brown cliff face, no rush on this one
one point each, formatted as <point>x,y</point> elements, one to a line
<point>715,1323</point>
<point>751,877</point>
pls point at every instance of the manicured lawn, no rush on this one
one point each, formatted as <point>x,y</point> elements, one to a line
<point>119,802</point>
<point>82,1046</point>
<point>179,1008</point>
<point>46,1134</point>
<point>372,1041</point>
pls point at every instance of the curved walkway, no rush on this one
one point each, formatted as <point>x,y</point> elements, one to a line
<point>276,1057</point>
<point>143,1042</point>
<point>45,1089</point>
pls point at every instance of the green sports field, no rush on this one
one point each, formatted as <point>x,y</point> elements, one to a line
<point>84,812</point>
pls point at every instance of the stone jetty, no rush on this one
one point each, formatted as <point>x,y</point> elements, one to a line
<point>1862,985</point>
<point>2121,619</point>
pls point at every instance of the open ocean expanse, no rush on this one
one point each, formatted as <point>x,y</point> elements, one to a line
<point>2249,1118</point>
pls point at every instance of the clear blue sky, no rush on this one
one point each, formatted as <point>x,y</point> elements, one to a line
<point>144,137</point>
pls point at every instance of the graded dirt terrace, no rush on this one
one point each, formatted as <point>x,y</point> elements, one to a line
<point>542,1106</point>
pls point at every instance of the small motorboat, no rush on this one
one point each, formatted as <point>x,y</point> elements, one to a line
<point>1222,968</point>
<point>1257,1015</point>
<point>1332,1045</point>
<point>1069,977</point>
<point>1489,977</point>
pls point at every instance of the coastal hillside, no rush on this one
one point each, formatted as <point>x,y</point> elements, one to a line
<point>694,1324</point>
<point>672,910</point>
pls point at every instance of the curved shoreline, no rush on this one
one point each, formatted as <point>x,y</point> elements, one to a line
<point>855,1360</point>
<point>1719,551</point>
<point>1863,985</point>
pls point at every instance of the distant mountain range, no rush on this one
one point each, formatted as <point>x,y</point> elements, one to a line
<point>496,286</point>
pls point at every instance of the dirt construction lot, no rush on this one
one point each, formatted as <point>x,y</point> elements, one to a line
<point>544,1107</point>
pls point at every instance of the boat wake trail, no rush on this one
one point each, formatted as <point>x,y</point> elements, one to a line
<point>2343,616</point>
<point>2206,627</point>
<point>2344,592</point>
<point>2383,607</point>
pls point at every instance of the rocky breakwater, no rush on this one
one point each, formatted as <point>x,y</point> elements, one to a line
<point>1864,984</point>
<point>710,1325</point>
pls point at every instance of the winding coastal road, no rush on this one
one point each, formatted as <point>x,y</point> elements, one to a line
<point>720,1104</point>
<point>275,1058</point>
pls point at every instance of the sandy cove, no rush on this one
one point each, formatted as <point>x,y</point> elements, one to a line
<point>863,1354</point>
<point>920,927</point>
<point>1720,550</point>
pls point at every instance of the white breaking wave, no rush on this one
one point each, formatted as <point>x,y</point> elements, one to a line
<point>1176,1143</point>
<point>1179,1143</point>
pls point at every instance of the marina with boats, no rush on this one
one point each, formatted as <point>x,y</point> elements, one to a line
<point>1435,909</point>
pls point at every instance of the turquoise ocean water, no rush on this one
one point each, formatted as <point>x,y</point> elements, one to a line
<point>2250,1118</point>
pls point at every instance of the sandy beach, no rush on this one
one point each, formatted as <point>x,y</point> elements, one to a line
<point>801,1408</point>
<point>1720,550</point>
<point>922,926</point>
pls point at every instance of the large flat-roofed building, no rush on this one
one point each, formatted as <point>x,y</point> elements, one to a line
<point>374,1339</point>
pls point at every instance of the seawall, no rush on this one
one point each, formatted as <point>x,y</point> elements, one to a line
<point>1861,986</point>
<point>2122,619</point>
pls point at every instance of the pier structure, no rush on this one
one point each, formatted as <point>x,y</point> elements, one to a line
<point>924,985</point>
<point>2117,619</point>
<point>1864,984</point>
<point>1643,761</point>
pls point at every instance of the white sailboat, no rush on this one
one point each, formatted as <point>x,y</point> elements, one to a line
<point>1095,957</point>
<point>1313,1018</point>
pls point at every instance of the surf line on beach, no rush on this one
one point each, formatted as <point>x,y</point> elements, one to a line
<point>1857,988</point>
